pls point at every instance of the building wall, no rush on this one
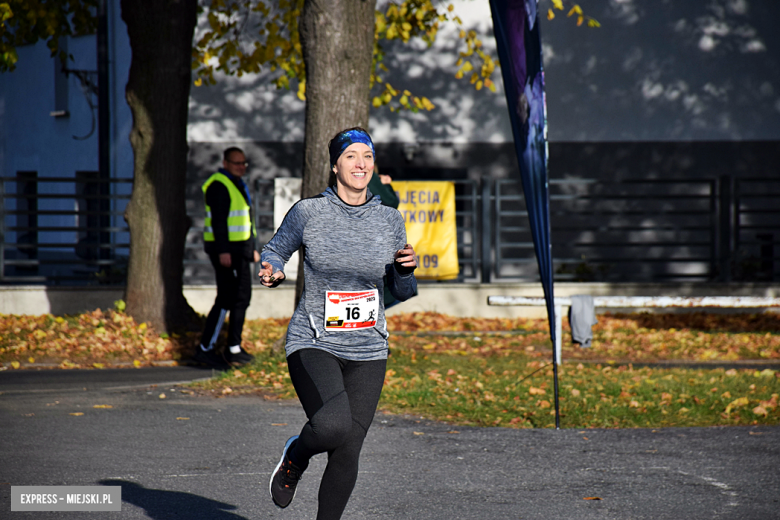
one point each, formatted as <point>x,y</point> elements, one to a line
<point>662,72</point>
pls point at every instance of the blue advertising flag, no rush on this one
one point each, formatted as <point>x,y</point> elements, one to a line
<point>516,28</point>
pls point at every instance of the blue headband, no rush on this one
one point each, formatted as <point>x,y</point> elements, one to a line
<point>343,140</point>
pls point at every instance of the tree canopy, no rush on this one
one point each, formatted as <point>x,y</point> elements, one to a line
<point>247,36</point>
<point>24,22</point>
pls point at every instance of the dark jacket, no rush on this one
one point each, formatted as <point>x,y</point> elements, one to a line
<point>218,199</point>
<point>384,191</point>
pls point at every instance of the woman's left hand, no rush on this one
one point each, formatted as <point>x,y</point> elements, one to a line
<point>406,257</point>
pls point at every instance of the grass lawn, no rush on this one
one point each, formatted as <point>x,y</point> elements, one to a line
<point>486,372</point>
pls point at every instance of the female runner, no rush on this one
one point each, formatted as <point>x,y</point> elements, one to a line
<point>337,338</point>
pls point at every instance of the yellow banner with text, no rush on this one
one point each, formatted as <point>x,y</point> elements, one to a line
<point>428,209</point>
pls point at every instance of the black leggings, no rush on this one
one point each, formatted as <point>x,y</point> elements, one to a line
<point>340,399</point>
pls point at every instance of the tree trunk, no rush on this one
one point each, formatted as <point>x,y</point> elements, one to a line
<point>157,92</point>
<point>337,37</point>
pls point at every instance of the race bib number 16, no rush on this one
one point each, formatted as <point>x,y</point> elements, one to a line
<point>345,311</point>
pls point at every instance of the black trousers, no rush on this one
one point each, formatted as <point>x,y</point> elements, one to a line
<point>234,291</point>
<point>340,399</point>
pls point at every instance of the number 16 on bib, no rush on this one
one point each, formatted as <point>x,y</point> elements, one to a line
<point>353,310</point>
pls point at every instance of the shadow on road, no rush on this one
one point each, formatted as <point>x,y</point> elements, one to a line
<point>160,504</point>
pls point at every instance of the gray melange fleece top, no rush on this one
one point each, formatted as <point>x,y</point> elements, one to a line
<point>347,248</point>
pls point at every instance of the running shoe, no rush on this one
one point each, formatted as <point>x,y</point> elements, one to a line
<point>284,479</point>
<point>208,357</point>
<point>242,357</point>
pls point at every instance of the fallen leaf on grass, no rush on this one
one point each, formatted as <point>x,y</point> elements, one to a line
<point>536,391</point>
<point>737,403</point>
<point>770,404</point>
<point>760,410</point>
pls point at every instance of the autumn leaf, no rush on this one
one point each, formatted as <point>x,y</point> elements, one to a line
<point>760,410</point>
<point>536,391</point>
<point>737,403</point>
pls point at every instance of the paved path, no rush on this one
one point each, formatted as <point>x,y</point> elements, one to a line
<point>200,458</point>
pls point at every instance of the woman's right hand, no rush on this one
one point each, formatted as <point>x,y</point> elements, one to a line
<point>268,277</point>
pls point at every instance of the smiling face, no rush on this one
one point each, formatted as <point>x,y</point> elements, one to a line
<point>353,170</point>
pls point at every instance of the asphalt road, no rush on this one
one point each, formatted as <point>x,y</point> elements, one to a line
<point>195,457</point>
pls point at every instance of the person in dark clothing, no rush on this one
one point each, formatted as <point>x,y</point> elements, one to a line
<point>230,241</point>
<point>380,185</point>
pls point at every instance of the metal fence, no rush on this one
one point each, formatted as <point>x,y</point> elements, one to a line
<point>63,230</point>
<point>72,231</point>
<point>644,230</point>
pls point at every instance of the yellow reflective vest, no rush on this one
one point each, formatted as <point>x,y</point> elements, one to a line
<point>239,221</point>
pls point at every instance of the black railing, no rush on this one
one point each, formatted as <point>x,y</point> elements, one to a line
<point>645,230</point>
<point>52,230</point>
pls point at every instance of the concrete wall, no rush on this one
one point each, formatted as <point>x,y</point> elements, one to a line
<point>452,299</point>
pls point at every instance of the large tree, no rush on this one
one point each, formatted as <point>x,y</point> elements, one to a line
<point>337,38</point>
<point>157,92</point>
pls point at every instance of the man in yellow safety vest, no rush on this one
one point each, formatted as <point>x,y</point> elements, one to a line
<point>229,238</point>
